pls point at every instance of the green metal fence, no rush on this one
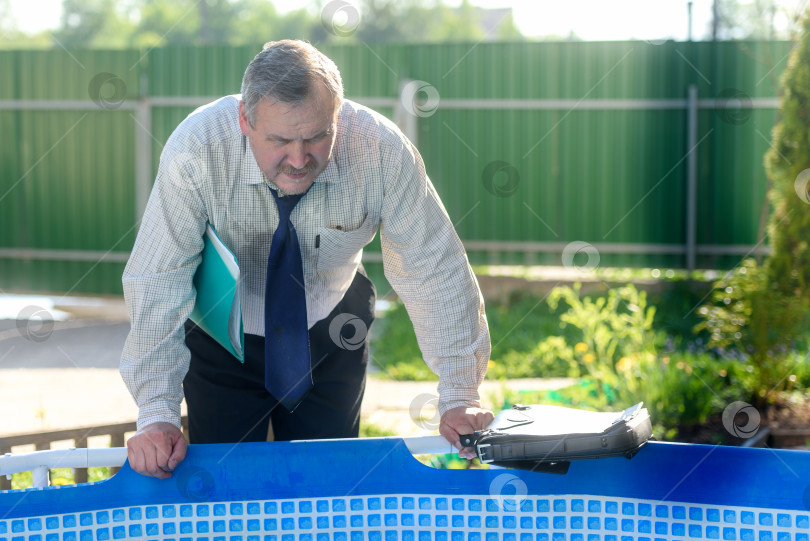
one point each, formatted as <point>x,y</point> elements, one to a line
<point>532,146</point>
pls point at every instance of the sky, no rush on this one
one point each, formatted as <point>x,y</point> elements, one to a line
<point>591,20</point>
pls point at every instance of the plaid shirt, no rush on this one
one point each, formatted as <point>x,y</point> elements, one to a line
<point>374,179</point>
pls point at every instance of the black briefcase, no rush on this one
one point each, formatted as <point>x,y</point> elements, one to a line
<point>547,438</point>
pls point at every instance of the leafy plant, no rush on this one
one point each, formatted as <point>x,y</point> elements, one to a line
<point>550,357</point>
<point>619,358</point>
<point>613,343</point>
<point>747,315</point>
<point>59,476</point>
<point>680,391</point>
<point>451,461</point>
<point>612,327</point>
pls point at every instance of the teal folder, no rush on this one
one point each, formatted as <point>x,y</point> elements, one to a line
<point>218,310</point>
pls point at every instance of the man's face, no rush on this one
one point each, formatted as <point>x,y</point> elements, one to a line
<point>292,143</point>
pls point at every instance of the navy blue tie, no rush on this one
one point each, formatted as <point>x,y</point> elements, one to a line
<point>288,373</point>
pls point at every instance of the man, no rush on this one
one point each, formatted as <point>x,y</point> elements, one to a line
<point>291,142</point>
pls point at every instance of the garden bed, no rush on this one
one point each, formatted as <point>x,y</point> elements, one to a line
<point>627,345</point>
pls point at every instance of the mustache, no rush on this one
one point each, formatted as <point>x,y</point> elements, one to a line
<point>287,170</point>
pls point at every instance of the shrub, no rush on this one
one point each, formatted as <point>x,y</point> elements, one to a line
<point>619,356</point>
<point>746,315</point>
<point>680,391</point>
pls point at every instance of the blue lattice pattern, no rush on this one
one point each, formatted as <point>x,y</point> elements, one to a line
<point>418,517</point>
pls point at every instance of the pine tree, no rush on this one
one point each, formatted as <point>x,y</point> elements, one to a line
<point>763,310</point>
<point>788,166</point>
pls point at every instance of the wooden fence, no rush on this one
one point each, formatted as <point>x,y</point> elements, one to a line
<point>42,441</point>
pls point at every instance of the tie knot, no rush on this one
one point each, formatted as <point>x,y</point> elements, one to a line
<point>285,204</point>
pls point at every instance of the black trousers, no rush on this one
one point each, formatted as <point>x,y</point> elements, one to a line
<point>228,403</point>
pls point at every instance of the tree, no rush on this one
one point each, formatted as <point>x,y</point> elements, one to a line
<point>166,22</point>
<point>92,23</point>
<point>10,35</point>
<point>295,24</point>
<point>416,21</point>
<point>762,310</point>
<point>787,164</point>
<point>507,30</point>
<point>755,19</point>
<point>158,23</point>
<point>7,23</point>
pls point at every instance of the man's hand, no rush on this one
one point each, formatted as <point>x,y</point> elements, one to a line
<point>463,420</point>
<point>156,450</point>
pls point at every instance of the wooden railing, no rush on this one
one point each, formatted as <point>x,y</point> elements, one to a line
<point>42,441</point>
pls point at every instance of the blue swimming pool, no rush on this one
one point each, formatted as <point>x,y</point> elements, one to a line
<point>374,489</point>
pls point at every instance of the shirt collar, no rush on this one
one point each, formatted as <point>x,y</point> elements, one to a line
<point>250,173</point>
<point>332,171</point>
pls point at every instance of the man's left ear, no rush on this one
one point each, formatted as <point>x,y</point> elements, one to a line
<point>244,125</point>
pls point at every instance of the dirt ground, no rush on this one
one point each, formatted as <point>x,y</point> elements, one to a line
<point>783,423</point>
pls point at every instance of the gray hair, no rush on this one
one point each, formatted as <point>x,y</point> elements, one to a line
<point>285,71</point>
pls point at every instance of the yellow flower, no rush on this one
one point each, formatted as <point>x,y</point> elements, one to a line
<point>624,364</point>
<point>490,363</point>
<point>589,358</point>
<point>581,347</point>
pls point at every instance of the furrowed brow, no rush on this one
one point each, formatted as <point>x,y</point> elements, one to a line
<point>282,140</point>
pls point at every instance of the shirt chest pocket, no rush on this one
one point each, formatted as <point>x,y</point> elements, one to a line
<point>338,248</point>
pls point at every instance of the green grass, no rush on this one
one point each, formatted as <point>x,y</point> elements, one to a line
<point>370,430</point>
<point>515,329</point>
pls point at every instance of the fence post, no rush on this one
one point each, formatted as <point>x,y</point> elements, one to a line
<point>5,482</point>
<point>691,178</point>
<point>404,119</point>
<point>41,476</point>
<point>116,440</point>
<point>80,474</point>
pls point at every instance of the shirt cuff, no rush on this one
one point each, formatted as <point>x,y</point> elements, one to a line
<point>454,398</point>
<point>161,411</point>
